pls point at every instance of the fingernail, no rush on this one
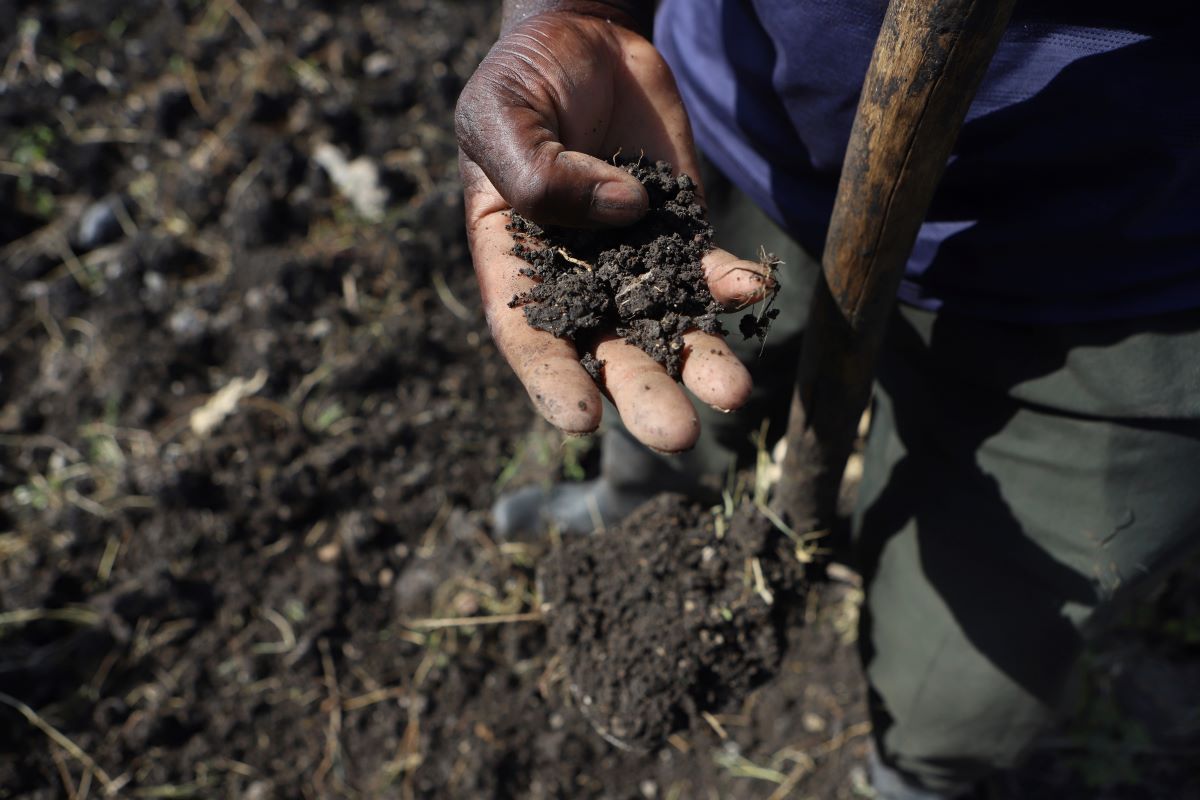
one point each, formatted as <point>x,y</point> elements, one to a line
<point>617,203</point>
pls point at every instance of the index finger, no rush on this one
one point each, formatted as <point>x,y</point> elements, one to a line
<point>548,366</point>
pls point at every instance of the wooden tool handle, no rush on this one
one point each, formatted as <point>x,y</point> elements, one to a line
<point>928,62</point>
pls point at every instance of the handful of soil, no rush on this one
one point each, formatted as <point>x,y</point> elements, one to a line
<point>644,282</point>
<point>662,619</point>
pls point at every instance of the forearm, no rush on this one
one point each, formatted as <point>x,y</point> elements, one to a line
<point>637,15</point>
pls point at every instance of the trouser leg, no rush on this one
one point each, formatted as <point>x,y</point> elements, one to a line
<point>994,534</point>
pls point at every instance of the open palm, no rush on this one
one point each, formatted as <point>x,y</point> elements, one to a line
<point>557,95</point>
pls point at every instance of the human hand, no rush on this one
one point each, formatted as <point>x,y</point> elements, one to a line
<point>558,90</point>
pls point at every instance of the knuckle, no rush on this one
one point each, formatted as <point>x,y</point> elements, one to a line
<point>464,122</point>
<point>532,194</point>
<point>468,113</point>
<point>497,83</point>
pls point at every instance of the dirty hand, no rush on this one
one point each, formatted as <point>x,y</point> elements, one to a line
<point>558,90</point>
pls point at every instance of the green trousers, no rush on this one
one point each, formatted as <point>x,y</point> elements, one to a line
<point>1020,483</point>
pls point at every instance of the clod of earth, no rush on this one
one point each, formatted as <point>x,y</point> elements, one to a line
<point>663,619</point>
<point>644,282</point>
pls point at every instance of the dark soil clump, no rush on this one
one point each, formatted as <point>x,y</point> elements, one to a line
<point>644,282</point>
<point>666,617</point>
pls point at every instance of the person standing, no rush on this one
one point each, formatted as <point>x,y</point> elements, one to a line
<point>1036,429</point>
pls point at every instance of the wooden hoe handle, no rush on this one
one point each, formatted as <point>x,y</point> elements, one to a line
<point>928,62</point>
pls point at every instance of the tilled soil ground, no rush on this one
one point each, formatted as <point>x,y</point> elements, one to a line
<point>248,429</point>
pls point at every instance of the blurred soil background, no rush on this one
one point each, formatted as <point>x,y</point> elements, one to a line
<point>251,420</point>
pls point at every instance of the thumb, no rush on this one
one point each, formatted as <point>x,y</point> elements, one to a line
<point>537,175</point>
<point>552,185</point>
<point>507,122</point>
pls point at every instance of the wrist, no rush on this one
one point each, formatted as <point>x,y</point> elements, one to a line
<point>636,15</point>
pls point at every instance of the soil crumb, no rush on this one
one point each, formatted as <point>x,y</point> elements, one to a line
<point>662,619</point>
<point>644,282</point>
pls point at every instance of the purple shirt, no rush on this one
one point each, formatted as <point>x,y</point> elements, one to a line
<point>1073,193</point>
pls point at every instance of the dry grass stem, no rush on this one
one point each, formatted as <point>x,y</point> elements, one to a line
<point>64,774</point>
<point>373,697</point>
<point>837,742</point>
<point>432,624</point>
<point>760,583</point>
<point>448,299</point>
<point>60,739</point>
<point>23,616</point>
<point>287,641</point>
<point>803,767</point>
<point>333,730</point>
<point>715,724</point>
<point>245,22</point>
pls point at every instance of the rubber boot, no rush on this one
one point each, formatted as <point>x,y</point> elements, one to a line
<point>630,474</point>
<point>890,784</point>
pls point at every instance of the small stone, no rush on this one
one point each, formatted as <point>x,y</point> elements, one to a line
<point>259,790</point>
<point>188,324</point>
<point>319,329</point>
<point>99,225</point>
<point>358,181</point>
<point>466,604</point>
<point>154,282</point>
<point>377,64</point>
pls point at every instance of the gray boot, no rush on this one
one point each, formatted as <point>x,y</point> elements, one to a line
<point>891,784</point>
<point>630,474</point>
